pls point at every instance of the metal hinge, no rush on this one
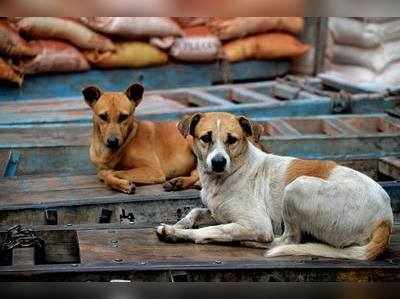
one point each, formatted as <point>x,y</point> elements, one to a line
<point>341,102</point>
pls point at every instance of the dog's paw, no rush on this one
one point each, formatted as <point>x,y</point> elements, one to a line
<point>127,187</point>
<point>175,184</point>
<point>166,233</point>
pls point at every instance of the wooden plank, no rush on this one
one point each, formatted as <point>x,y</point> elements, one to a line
<point>137,254</point>
<point>142,245</point>
<point>76,205</point>
<point>242,95</point>
<point>72,160</point>
<point>63,149</point>
<point>87,196</point>
<point>44,184</point>
<point>282,127</point>
<point>390,166</point>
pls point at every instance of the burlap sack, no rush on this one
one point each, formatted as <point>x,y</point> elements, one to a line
<point>53,56</point>
<point>66,29</point>
<point>264,46</point>
<point>11,43</point>
<point>243,26</point>
<point>129,55</point>
<point>9,74</point>
<point>192,21</point>
<point>133,27</point>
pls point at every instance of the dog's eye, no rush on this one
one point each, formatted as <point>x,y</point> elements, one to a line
<point>123,117</point>
<point>231,139</point>
<point>206,138</point>
<point>103,117</point>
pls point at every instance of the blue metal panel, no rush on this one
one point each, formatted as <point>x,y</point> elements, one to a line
<point>162,77</point>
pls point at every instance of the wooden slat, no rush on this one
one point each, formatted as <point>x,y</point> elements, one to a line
<point>284,128</point>
<point>38,184</point>
<point>85,193</point>
<point>142,245</point>
<point>246,96</point>
<point>210,99</point>
<point>390,166</point>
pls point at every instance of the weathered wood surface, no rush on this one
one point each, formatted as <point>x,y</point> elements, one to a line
<point>82,199</point>
<point>137,255</point>
<point>168,76</point>
<point>63,148</point>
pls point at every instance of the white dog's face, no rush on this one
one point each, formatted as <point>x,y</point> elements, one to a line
<point>219,140</point>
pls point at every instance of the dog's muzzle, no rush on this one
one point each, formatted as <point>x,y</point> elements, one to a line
<point>218,163</point>
<point>112,142</point>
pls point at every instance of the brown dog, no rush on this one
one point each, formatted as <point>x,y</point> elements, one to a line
<point>128,152</point>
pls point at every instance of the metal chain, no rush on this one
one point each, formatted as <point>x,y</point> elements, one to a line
<point>18,236</point>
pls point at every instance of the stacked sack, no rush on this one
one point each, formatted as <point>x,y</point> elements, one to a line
<point>364,51</point>
<point>259,37</point>
<point>31,45</point>
<point>235,39</point>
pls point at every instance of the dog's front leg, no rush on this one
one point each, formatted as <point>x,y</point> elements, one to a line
<point>142,175</point>
<point>183,182</point>
<point>196,217</point>
<point>116,183</point>
<point>219,233</point>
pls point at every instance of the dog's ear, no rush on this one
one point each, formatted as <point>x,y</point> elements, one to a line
<point>188,124</point>
<point>250,128</point>
<point>91,95</point>
<point>258,130</point>
<point>135,93</point>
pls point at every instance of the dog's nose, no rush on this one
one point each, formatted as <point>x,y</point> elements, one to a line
<point>112,142</point>
<point>218,163</point>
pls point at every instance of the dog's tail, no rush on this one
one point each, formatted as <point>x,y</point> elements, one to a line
<point>378,243</point>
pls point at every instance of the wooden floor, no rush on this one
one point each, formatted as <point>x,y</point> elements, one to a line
<point>136,245</point>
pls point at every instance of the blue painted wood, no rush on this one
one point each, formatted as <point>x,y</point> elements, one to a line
<point>316,106</point>
<point>11,166</point>
<point>162,77</point>
<point>63,148</point>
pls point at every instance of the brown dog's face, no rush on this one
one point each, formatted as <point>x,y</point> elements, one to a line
<point>113,112</point>
<point>219,139</point>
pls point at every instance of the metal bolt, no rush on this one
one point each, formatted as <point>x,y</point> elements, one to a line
<point>115,243</point>
<point>74,265</point>
<point>68,224</point>
<point>217,262</point>
<point>143,263</point>
<point>118,260</point>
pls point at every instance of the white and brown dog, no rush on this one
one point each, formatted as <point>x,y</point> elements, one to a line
<point>249,194</point>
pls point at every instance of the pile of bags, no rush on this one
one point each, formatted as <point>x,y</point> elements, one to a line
<point>30,45</point>
<point>364,51</point>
